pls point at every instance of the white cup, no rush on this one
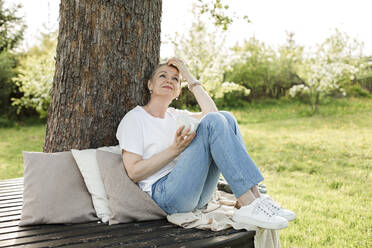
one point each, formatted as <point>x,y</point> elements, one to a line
<point>188,122</point>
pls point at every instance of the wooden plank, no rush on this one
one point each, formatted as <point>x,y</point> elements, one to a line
<point>48,228</point>
<point>76,235</point>
<point>241,239</point>
<point>27,231</point>
<point>7,202</point>
<point>3,183</point>
<point>157,238</point>
<point>212,239</point>
<point>2,187</point>
<point>10,197</point>
<point>20,204</point>
<point>11,213</point>
<point>12,194</point>
<point>9,224</point>
<point>5,191</point>
<point>11,208</point>
<point>19,187</point>
<point>110,237</point>
<point>10,218</point>
<point>12,180</point>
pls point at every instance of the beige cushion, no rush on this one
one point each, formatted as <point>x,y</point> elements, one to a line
<point>128,203</point>
<point>54,190</point>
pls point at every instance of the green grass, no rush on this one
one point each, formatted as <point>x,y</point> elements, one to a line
<point>24,136</point>
<point>317,165</point>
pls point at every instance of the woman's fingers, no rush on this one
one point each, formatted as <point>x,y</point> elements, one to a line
<point>188,139</point>
<point>177,63</point>
<point>179,130</point>
<point>191,137</point>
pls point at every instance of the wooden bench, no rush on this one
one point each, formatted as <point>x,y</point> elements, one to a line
<point>141,234</point>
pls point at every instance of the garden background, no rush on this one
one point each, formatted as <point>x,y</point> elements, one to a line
<point>305,114</point>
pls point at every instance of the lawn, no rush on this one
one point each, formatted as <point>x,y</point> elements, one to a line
<point>317,165</point>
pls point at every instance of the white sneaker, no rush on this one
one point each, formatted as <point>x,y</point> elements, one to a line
<point>260,215</point>
<point>277,209</point>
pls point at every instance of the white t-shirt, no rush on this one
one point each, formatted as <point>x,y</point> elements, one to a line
<point>146,135</point>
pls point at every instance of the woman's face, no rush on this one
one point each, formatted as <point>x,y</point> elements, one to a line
<point>165,82</point>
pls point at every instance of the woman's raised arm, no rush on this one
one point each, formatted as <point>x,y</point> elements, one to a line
<point>204,100</point>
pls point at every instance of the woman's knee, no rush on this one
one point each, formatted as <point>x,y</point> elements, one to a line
<point>214,118</point>
<point>228,115</point>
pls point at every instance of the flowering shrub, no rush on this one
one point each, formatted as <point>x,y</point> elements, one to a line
<point>321,79</point>
<point>36,70</point>
<point>231,94</point>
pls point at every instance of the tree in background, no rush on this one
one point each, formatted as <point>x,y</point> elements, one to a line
<point>332,68</point>
<point>267,72</point>
<point>204,54</point>
<point>11,33</point>
<point>36,70</point>
<point>11,27</point>
<point>207,59</point>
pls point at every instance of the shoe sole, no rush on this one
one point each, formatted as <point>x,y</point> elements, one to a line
<point>289,219</point>
<point>259,223</point>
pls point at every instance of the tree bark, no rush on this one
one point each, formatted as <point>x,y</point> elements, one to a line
<point>105,54</point>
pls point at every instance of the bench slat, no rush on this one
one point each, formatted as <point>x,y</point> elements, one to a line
<point>10,213</point>
<point>11,208</point>
<point>11,197</point>
<point>74,235</point>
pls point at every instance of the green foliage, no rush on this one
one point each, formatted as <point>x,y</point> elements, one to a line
<point>266,72</point>
<point>218,12</point>
<point>207,60</point>
<point>357,90</point>
<point>7,63</point>
<point>334,66</point>
<point>11,27</point>
<point>231,95</point>
<point>36,70</point>
<point>202,53</point>
<point>11,33</point>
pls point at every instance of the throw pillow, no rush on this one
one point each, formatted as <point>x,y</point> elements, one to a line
<point>54,190</point>
<point>128,203</point>
<point>87,163</point>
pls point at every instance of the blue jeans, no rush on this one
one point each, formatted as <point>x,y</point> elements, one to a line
<point>217,147</point>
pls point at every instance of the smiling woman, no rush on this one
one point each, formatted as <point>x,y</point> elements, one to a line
<point>179,169</point>
<point>165,77</point>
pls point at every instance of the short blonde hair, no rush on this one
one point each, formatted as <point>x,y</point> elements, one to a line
<point>158,67</point>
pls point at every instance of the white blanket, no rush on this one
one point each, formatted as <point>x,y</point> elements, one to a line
<point>217,215</point>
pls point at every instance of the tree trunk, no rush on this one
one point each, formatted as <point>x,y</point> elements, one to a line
<point>105,54</point>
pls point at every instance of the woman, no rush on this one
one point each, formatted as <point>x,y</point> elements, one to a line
<point>180,171</point>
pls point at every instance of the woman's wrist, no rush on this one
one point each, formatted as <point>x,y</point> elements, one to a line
<point>191,85</point>
<point>173,151</point>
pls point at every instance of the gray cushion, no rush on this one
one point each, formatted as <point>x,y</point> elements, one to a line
<point>54,190</point>
<point>127,202</point>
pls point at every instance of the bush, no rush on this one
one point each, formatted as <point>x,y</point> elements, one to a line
<point>357,91</point>
<point>231,95</point>
<point>266,72</point>
<point>35,80</point>
<point>7,63</point>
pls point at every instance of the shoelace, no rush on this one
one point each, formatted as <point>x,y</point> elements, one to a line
<point>263,208</point>
<point>271,204</point>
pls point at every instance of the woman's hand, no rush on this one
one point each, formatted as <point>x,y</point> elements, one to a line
<point>182,69</point>
<point>182,140</point>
